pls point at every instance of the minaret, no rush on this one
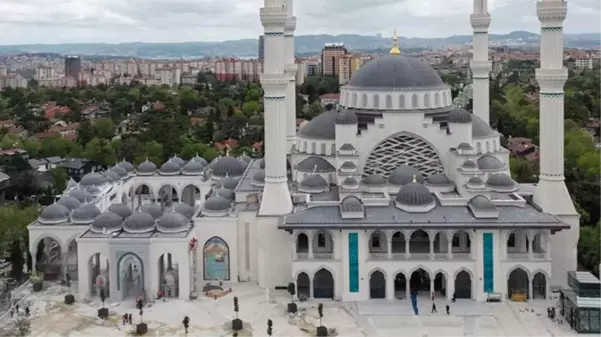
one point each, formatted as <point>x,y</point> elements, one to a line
<point>551,193</point>
<point>480,65</point>
<point>276,198</point>
<point>290,69</point>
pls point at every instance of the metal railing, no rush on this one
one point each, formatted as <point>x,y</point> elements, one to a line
<point>6,317</point>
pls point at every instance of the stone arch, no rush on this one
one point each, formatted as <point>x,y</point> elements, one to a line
<point>364,101</point>
<point>99,274</point>
<point>418,267</point>
<point>168,274</point>
<point>417,246</point>
<point>417,281</point>
<point>133,287</point>
<point>518,282</point>
<point>354,100</point>
<point>138,193</point>
<point>436,100</point>
<point>518,266</point>
<point>414,101</point>
<point>419,153</point>
<point>378,242</point>
<point>465,269</point>
<point>303,284</point>
<point>441,284</point>
<point>216,259</point>
<point>323,244</point>
<point>376,99</point>
<point>388,101</point>
<point>540,284</point>
<point>463,287</point>
<point>49,256</point>
<point>324,283</point>
<point>42,236</point>
<point>400,284</point>
<point>301,241</point>
<point>401,101</point>
<point>72,263</point>
<point>191,195</point>
<point>398,242</point>
<point>377,283</point>
<point>426,100</point>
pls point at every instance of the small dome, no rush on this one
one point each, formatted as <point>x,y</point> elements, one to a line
<point>81,195</point>
<point>170,168</point>
<point>259,178</point>
<point>347,147</point>
<point>179,161</point>
<point>184,209</point>
<point>153,209</point>
<point>464,146</point>
<point>108,221</point>
<point>139,222</point>
<point>229,183</point>
<point>200,160</point>
<point>414,194</point>
<point>120,171</point>
<point>348,165</point>
<point>500,180</point>
<point>315,164</point>
<point>225,193</point>
<point>350,182</point>
<point>53,214</point>
<point>469,164</point>
<point>93,190</point>
<point>459,116</point>
<point>481,129</point>
<point>489,163</point>
<point>374,180</point>
<point>475,181</point>
<point>112,176</point>
<point>245,159</point>
<point>127,166</point>
<point>346,117</point>
<point>172,222</point>
<point>193,168</point>
<point>146,168</point>
<point>92,179</point>
<point>482,203</point>
<point>314,181</point>
<point>351,204</point>
<point>405,174</point>
<point>70,202</point>
<point>217,203</point>
<point>85,214</point>
<point>439,180</point>
<point>120,209</point>
<point>321,127</point>
<point>228,166</point>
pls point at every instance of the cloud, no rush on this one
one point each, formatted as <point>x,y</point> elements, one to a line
<point>62,21</point>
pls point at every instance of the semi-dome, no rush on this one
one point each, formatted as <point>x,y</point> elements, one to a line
<point>459,116</point>
<point>229,183</point>
<point>481,202</point>
<point>53,214</point>
<point>112,176</point>
<point>351,204</point>
<point>70,202</point>
<point>92,179</point>
<point>172,222</point>
<point>414,194</point>
<point>322,126</point>
<point>153,209</point>
<point>405,174</point>
<point>469,164</point>
<point>224,192</point>
<point>170,168</point>
<point>314,181</point>
<point>245,159</point>
<point>81,195</point>
<point>217,203</point>
<point>179,161</point>
<point>120,209</point>
<point>315,164</point>
<point>464,146</point>
<point>396,72</point>
<point>119,171</point>
<point>346,117</point>
<point>348,165</point>
<point>489,163</point>
<point>439,179</point>
<point>374,180</point>
<point>347,147</point>
<point>146,168</point>
<point>481,129</point>
<point>200,160</point>
<point>259,178</point>
<point>475,182</point>
<point>500,181</point>
<point>127,166</point>
<point>350,182</point>
<point>107,221</point>
<point>193,168</point>
<point>184,209</point>
<point>228,166</point>
<point>139,222</point>
<point>85,214</point>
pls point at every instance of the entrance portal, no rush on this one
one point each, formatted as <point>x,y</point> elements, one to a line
<point>400,286</point>
<point>377,285</point>
<point>420,281</point>
<point>323,284</point>
<point>131,276</point>
<point>463,285</point>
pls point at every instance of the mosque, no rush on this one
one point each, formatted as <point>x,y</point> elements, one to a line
<point>394,191</point>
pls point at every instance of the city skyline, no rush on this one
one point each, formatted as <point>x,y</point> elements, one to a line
<point>115,21</point>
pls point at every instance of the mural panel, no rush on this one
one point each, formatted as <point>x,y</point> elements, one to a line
<point>216,255</point>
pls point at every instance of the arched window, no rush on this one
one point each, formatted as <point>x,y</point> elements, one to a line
<point>414,101</point>
<point>313,147</point>
<point>323,148</point>
<point>354,103</point>
<point>444,98</point>
<point>333,149</point>
<point>478,148</point>
<point>427,100</point>
<point>401,101</point>
<point>436,100</point>
<point>364,101</point>
<point>376,101</point>
<point>388,102</point>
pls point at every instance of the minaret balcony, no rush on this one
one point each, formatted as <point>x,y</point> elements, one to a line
<point>551,14</point>
<point>291,68</point>
<point>273,17</point>
<point>551,80</point>
<point>274,84</point>
<point>480,22</point>
<point>290,25</point>
<point>480,68</point>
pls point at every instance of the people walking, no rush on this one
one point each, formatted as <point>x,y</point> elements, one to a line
<point>448,310</point>
<point>433,308</point>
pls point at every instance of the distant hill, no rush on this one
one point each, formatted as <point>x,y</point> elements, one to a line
<point>304,44</point>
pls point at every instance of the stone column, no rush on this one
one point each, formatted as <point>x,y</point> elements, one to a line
<point>431,238</point>
<point>450,249</point>
<point>389,247</point>
<point>310,237</point>
<point>407,252</point>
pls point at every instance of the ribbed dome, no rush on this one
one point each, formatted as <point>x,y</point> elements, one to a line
<point>120,209</point>
<point>70,202</point>
<point>351,204</point>
<point>146,168</point>
<point>414,194</point>
<point>321,127</point>
<point>404,174</point>
<point>469,164</point>
<point>315,164</point>
<point>172,222</point>
<point>346,117</point>
<point>108,221</point>
<point>228,166</point>
<point>200,160</point>
<point>217,203</point>
<point>225,193</point>
<point>489,163</point>
<point>179,161</point>
<point>439,180</point>
<point>500,180</point>
<point>92,179</point>
<point>314,181</point>
<point>120,171</point>
<point>229,183</point>
<point>476,181</point>
<point>112,176</point>
<point>139,222</point>
<point>459,116</point>
<point>170,168</point>
<point>396,72</point>
<point>127,166</point>
<point>193,168</point>
<point>54,214</point>
<point>153,209</point>
<point>481,202</point>
<point>81,195</point>
<point>184,209</point>
<point>85,214</point>
<point>375,180</point>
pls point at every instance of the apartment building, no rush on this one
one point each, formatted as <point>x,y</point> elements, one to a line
<point>330,56</point>
<point>237,69</point>
<point>348,66</point>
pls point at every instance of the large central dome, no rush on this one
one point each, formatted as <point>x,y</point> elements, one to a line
<point>395,72</point>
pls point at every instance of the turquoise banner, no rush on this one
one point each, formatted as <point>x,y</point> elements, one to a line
<point>353,258</point>
<point>489,264</point>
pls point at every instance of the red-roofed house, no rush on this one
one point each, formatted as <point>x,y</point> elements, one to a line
<point>329,99</point>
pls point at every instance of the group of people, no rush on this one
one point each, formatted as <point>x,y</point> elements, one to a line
<point>15,309</point>
<point>126,318</point>
<point>448,307</point>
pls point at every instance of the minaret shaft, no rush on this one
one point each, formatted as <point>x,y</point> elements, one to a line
<point>290,69</point>
<point>480,65</point>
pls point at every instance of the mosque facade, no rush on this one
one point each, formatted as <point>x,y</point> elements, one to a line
<point>395,191</point>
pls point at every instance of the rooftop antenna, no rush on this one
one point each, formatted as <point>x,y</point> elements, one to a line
<point>395,45</point>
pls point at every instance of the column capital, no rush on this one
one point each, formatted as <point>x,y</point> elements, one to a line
<point>551,14</point>
<point>551,80</point>
<point>480,22</point>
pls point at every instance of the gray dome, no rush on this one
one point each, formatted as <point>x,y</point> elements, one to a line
<point>228,166</point>
<point>404,174</point>
<point>172,222</point>
<point>262,164</point>
<point>464,146</point>
<point>70,202</point>
<point>350,181</point>
<point>193,168</point>
<point>170,168</point>
<point>482,202</point>
<point>92,179</point>
<point>120,209</point>
<point>375,180</point>
<point>225,193</point>
<point>200,160</point>
<point>246,159</point>
<point>55,213</point>
<point>259,177</point>
<point>396,72</point>
<point>153,209</point>
<point>347,147</point>
<point>500,180</point>
<point>348,165</point>
<point>179,161</point>
<point>81,195</point>
<point>489,163</point>
<point>85,213</point>
<point>229,183</point>
<point>475,181</point>
<point>439,180</point>
<point>139,222</point>
<point>346,117</point>
<point>321,127</point>
<point>112,176</point>
<point>469,164</point>
<point>480,128</point>
<point>314,181</point>
<point>146,168</point>
<point>351,204</point>
<point>414,194</point>
<point>119,171</point>
<point>184,209</point>
<point>315,164</point>
<point>217,203</point>
<point>107,220</point>
<point>459,116</point>
<point>127,166</point>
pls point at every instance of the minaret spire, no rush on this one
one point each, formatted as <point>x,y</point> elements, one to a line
<point>480,65</point>
<point>395,45</point>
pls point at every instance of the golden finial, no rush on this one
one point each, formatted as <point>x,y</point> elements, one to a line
<point>395,45</point>
<point>414,178</point>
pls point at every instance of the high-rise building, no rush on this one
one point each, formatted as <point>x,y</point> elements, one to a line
<point>330,56</point>
<point>347,66</point>
<point>261,47</point>
<point>72,66</point>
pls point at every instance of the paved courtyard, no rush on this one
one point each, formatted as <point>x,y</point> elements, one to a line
<point>210,317</point>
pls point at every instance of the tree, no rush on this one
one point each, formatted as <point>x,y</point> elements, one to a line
<point>59,178</point>
<point>104,128</point>
<point>100,151</point>
<point>251,108</point>
<point>14,220</point>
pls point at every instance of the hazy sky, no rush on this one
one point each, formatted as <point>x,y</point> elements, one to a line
<point>64,21</point>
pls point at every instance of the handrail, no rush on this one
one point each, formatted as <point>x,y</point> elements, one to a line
<point>23,286</point>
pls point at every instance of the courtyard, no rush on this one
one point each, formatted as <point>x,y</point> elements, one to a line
<point>210,317</point>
